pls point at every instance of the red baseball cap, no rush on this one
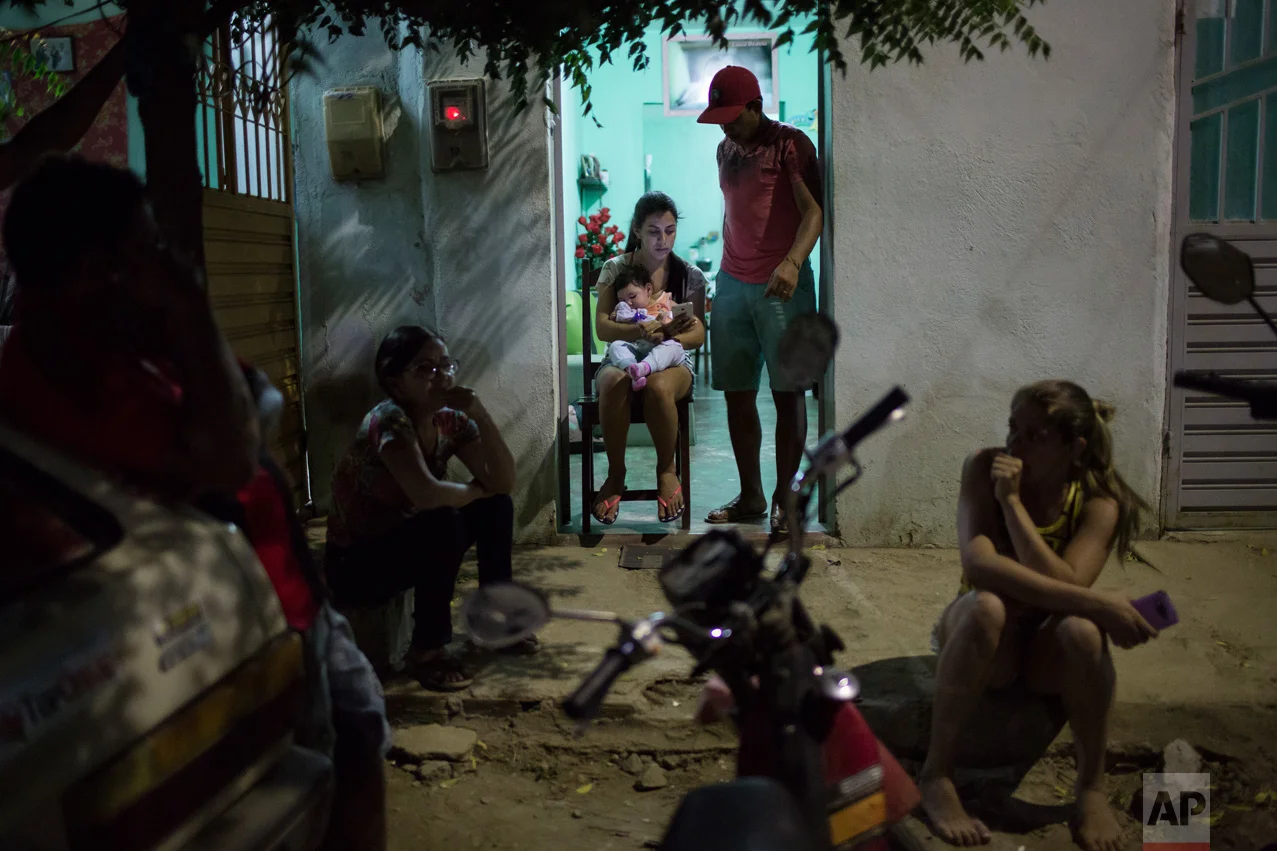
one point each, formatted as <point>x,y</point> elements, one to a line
<point>729,92</point>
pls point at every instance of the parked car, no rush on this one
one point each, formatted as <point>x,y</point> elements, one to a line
<point>150,688</point>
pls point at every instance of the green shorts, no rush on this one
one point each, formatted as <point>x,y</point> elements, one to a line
<point>747,328</point>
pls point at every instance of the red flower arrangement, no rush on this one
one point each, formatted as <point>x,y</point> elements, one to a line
<point>601,241</point>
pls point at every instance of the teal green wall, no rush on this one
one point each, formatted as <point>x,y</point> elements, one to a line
<point>1235,69</point>
<point>79,12</point>
<point>630,107</point>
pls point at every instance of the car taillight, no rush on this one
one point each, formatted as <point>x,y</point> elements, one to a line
<point>168,778</point>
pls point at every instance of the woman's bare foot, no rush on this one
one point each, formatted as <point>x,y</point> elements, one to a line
<point>1095,826</point>
<point>948,818</point>
<point>608,503</point>
<point>671,491</point>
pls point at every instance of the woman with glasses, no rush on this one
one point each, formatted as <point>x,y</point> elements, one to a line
<point>398,523</point>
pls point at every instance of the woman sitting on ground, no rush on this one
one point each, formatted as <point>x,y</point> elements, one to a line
<point>1036,523</point>
<point>651,246</point>
<point>397,523</point>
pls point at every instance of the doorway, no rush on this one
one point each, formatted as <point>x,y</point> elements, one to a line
<point>1221,466</point>
<point>641,137</point>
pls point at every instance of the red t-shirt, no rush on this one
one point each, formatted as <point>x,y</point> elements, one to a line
<point>126,424</point>
<point>761,217</point>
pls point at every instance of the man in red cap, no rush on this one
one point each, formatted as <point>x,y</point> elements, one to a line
<point>771,183</point>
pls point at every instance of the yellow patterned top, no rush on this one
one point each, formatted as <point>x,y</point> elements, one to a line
<point>1059,533</point>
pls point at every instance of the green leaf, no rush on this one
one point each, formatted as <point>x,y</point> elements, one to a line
<point>527,41</point>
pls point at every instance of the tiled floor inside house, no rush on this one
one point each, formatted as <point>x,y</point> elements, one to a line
<point>714,478</point>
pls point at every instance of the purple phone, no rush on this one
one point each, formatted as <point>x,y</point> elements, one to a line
<point>1157,610</point>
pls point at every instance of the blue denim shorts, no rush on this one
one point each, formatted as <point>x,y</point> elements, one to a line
<point>747,330</point>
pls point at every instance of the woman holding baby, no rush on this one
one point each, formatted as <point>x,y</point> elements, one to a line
<point>655,281</point>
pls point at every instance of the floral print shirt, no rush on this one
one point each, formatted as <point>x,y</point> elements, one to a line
<point>367,501</point>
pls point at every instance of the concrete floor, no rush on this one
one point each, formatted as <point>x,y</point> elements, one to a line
<point>714,478</point>
<point>1213,676</point>
<point>1211,679</point>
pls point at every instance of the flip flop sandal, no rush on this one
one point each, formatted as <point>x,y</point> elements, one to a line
<point>607,505</point>
<point>732,514</point>
<point>435,675</point>
<point>665,505</point>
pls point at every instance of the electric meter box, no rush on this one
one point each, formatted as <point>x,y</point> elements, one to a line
<point>353,129</point>
<point>458,125</point>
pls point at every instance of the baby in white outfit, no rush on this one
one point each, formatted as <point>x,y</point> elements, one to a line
<point>634,303</point>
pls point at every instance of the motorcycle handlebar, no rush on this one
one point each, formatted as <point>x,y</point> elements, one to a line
<point>1261,396</point>
<point>1210,382</point>
<point>875,417</point>
<point>584,703</point>
<point>837,449</point>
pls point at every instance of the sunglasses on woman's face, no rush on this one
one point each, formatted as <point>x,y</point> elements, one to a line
<point>428,369</point>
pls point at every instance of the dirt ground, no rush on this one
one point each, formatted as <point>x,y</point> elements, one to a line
<point>532,784</point>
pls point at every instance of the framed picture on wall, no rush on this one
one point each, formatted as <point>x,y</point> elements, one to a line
<point>691,61</point>
<point>56,52</point>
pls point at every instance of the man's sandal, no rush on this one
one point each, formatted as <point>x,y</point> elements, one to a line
<point>779,521</point>
<point>733,513</point>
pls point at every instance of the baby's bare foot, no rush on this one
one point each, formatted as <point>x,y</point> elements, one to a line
<point>1095,825</point>
<point>948,818</point>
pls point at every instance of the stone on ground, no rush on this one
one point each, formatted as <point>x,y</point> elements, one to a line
<point>653,778</point>
<point>1179,757</point>
<point>434,770</point>
<point>428,742</point>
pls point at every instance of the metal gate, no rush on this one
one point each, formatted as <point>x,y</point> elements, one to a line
<point>249,231</point>
<point>1221,465</point>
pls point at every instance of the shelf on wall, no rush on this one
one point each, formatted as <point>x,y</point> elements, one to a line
<point>591,183</point>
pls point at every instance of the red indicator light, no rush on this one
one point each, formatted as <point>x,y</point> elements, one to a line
<point>452,113</point>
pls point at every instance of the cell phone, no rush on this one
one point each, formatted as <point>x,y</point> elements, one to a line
<point>1157,609</point>
<point>681,310</point>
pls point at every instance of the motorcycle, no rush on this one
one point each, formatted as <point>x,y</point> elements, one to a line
<point>810,776</point>
<point>1225,274</point>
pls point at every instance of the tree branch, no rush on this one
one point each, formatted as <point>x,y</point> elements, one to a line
<point>61,125</point>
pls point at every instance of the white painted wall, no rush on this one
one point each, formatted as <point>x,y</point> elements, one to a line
<point>469,254</point>
<point>1000,223</point>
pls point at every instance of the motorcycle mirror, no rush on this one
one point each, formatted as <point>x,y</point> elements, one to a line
<point>806,348</point>
<point>1218,268</point>
<point>504,613</point>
